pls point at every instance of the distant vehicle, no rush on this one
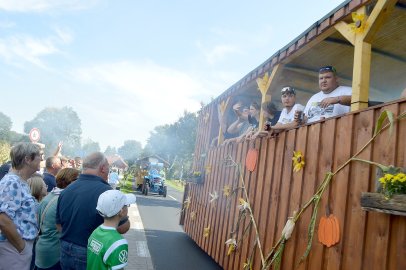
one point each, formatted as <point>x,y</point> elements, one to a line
<point>155,183</point>
<point>149,178</point>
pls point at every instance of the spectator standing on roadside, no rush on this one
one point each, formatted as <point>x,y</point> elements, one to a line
<point>18,223</point>
<point>76,214</point>
<point>332,100</point>
<point>47,248</point>
<point>78,163</point>
<point>37,186</point>
<point>106,248</point>
<point>113,178</point>
<point>52,165</point>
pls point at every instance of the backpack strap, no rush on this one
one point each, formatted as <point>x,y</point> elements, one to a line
<point>45,211</point>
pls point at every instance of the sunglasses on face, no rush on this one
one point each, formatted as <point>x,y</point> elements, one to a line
<point>328,69</point>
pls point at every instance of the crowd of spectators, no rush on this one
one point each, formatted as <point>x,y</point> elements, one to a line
<point>46,219</point>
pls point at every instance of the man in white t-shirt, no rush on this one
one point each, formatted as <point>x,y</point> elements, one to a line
<point>287,117</point>
<point>332,100</point>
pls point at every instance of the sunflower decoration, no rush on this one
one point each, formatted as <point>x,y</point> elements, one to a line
<point>359,22</point>
<point>243,205</point>
<point>226,190</point>
<point>298,161</point>
<point>232,245</point>
<point>192,215</point>
<point>206,231</point>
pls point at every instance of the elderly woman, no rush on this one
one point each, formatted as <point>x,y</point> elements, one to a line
<point>18,223</point>
<point>47,249</point>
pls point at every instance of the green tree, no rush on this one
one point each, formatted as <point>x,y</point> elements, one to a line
<point>175,143</point>
<point>55,125</point>
<point>130,151</point>
<point>15,137</point>
<point>5,126</point>
<point>89,147</point>
<point>110,151</point>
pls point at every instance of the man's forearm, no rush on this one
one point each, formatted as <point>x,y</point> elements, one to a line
<point>345,100</point>
<point>9,230</point>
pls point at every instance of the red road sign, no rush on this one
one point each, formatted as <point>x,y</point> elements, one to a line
<point>35,135</point>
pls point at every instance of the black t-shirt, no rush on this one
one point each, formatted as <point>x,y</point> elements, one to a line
<point>50,181</point>
<point>76,209</point>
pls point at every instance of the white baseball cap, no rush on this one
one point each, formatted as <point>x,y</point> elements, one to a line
<point>111,202</point>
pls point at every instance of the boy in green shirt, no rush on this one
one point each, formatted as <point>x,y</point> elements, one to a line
<point>106,248</point>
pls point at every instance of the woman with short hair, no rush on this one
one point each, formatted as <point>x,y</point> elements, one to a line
<point>18,223</point>
<point>47,249</point>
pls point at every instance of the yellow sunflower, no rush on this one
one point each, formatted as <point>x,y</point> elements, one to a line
<point>226,190</point>
<point>298,161</point>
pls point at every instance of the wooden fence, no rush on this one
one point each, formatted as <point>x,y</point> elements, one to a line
<point>369,240</point>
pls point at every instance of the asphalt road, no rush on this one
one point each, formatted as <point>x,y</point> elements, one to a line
<point>169,246</point>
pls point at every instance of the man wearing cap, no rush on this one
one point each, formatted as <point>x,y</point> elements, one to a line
<point>76,213</point>
<point>287,117</point>
<point>332,100</point>
<point>106,248</point>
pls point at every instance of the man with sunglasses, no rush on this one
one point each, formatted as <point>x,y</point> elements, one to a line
<point>332,100</point>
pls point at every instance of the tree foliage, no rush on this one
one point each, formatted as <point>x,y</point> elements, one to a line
<point>130,151</point>
<point>58,125</point>
<point>175,142</point>
<point>5,126</point>
<point>89,147</point>
<point>110,151</point>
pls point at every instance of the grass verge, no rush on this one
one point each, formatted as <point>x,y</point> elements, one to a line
<point>176,184</point>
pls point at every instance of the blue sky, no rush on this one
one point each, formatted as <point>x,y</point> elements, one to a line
<point>126,66</point>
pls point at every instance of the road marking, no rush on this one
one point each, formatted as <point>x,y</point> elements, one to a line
<point>135,219</point>
<point>141,249</point>
<point>172,198</point>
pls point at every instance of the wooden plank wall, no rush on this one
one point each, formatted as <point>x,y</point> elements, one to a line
<point>370,240</point>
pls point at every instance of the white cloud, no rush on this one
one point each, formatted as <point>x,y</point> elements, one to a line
<point>18,49</point>
<point>218,52</point>
<point>44,5</point>
<point>145,95</point>
<point>64,35</point>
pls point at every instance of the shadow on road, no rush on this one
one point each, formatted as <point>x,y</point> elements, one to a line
<point>176,250</point>
<point>157,201</point>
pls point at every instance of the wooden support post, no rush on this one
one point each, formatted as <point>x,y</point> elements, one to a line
<point>264,91</point>
<point>361,34</point>
<point>360,74</point>
<point>221,111</point>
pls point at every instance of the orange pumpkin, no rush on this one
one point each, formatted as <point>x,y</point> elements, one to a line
<point>329,230</point>
<point>251,159</point>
